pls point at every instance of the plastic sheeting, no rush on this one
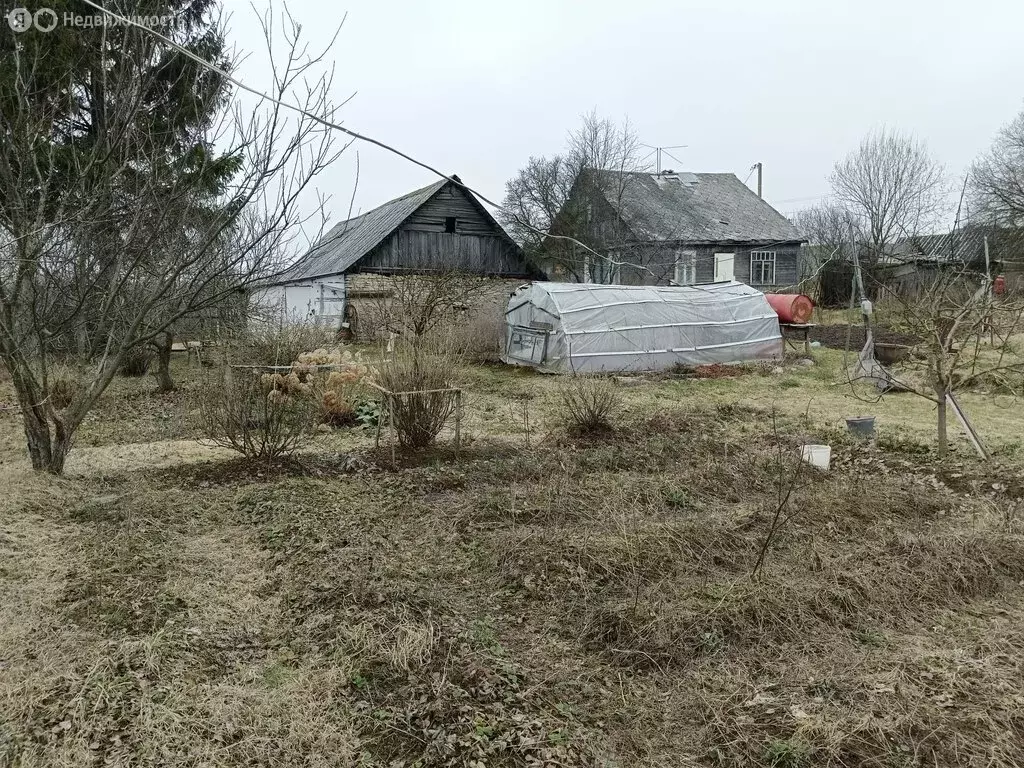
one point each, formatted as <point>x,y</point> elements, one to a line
<point>588,328</point>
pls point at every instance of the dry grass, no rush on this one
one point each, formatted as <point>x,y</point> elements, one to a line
<point>545,600</point>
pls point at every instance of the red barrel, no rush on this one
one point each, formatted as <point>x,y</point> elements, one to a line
<point>794,308</point>
<point>999,285</point>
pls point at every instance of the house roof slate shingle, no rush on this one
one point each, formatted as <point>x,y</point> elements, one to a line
<point>350,240</point>
<point>698,207</point>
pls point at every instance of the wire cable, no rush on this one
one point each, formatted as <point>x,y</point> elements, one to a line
<point>355,134</point>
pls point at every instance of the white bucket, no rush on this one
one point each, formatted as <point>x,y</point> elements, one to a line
<point>819,456</point>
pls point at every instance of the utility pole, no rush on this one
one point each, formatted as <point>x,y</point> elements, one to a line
<point>758,166</point>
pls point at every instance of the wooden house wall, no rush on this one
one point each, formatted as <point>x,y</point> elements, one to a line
<point>422,245</point>
<point>656,263</point>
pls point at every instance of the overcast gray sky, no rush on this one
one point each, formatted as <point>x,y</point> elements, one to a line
<point>476,87</point>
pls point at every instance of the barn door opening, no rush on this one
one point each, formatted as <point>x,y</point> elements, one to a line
<point>725,264</point>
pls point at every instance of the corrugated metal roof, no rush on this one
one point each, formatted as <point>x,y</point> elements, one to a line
<point>350,240</point>
<point>694,207</point>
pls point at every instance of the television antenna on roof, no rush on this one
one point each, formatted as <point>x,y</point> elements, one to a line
<point>659,151</point>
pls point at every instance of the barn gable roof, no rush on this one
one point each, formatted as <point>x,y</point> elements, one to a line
<point>692,207</point>
<point>349,241</point>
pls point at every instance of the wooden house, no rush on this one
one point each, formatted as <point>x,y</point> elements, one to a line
<point>671,229</point>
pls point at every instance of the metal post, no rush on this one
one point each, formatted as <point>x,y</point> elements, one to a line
<point>859,278</point>
<point>759,180</point>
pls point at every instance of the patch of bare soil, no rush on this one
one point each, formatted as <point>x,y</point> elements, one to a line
<point>838,336</point>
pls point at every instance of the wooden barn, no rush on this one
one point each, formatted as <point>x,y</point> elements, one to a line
<point>441,228</point>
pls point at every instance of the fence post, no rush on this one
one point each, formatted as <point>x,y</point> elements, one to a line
<point>391,411</point>
<point>458,420</point>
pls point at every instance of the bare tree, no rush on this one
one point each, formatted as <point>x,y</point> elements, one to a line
<point>966,338</point>
<point>892,185</point>
<point>826,226</point>
<point>414,305</point>
<point>568,196</point>
<point>998,177</point>
<point>112,235</point>
<point>534,197</point>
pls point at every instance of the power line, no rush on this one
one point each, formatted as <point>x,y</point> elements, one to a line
<point>336,126</point>
<point>376,142</point>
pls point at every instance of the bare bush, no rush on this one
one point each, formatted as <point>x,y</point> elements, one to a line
<point>262,416</point>
<point>136,363</point>
<point>420,378</point>
<point>284,344</point>
<point>589,403</point>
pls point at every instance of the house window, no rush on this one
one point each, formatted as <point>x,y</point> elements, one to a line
<point>686,268</point>
<point>762,267</point>
<point>449,225</point>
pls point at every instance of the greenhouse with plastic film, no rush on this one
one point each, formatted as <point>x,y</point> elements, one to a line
<point>589,328</point>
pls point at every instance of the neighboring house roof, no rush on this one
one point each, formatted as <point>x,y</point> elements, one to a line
<point>350,240</point>
<point>966,244</point>
<point>693,207</point>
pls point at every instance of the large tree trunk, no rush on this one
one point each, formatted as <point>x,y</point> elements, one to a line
<point>164,382</point>
<point>47,450</point>
<point>37,433</point>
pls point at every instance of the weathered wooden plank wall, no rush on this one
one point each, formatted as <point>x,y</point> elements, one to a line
<point>422,244</point>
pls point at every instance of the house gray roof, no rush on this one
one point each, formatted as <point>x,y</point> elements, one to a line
<point>692,207</point>
<point>348,241</point>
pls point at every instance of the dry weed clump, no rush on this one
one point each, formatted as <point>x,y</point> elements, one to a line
<point>65,386</point>
<point>339,379</point>
<point>136,362</point>
<point>589,404</point>
<point>284,345</point>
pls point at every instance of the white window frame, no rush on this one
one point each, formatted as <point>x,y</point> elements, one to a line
<point>762,258</point>
<point>685,267</point>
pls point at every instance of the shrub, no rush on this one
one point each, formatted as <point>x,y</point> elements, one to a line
<point>589,403</point>
<point>136,362</point>
<point>420,371</point>
<point>262,416</point>
<point>339,388</point>
<point>283,345</point>
<point>64,385</point>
